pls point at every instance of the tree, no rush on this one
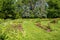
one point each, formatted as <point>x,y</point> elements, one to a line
<point>24,8</point>
<point>43,9</point>
<point>53,10</point>
<point>8,8</point>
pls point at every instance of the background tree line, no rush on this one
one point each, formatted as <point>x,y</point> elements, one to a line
<point>29,9</point>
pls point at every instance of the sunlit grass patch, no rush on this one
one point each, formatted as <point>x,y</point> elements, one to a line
<point>30,30</point>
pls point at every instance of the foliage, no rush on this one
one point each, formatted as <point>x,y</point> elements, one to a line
<point>20,8</point>
<point>53,10</point>
<point>29,9</point>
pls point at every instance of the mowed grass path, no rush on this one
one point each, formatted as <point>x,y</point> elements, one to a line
<point>31,31</point>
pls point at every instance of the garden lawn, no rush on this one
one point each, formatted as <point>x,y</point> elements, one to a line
<point>9,30</point>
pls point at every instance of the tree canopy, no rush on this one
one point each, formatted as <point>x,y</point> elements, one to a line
<point>29,8</point>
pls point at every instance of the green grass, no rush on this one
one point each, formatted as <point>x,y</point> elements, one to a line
<point>31,31</point>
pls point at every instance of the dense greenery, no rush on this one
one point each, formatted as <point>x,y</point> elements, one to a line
<point>54,9</point>
<point>29,29</point>
<point>29,8</point>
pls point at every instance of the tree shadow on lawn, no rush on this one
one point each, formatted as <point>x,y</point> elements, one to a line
<point>47,28</point>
